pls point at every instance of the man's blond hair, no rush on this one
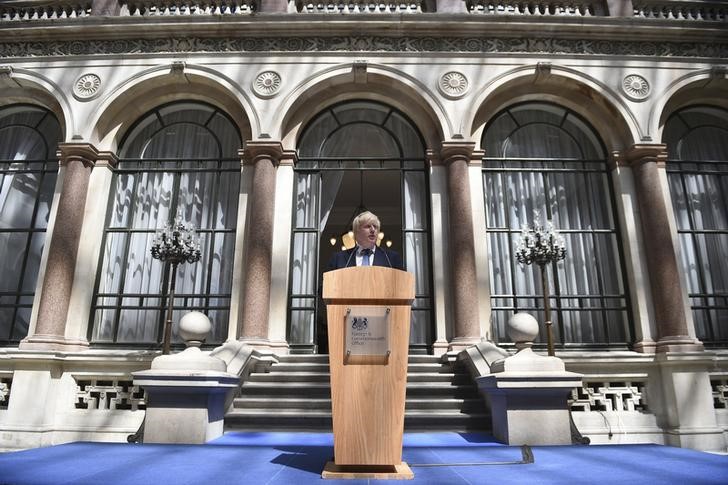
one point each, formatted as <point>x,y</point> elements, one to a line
<point>364,218</point>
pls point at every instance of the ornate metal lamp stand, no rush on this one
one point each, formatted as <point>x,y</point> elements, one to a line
<point>176,243</point>
<point>543,246</point>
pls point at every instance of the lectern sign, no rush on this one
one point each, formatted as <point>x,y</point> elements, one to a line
<point>367,332</point>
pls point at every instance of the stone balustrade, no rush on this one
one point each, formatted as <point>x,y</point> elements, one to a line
<point>44,10</point>
<point>695,10</point>
<point>573,8</point>
<point>360,7</point>
<point>677,10</point>
<point>145,8</point>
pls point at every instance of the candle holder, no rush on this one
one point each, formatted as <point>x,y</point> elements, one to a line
<point>543,246</point>
<point>177,243</point>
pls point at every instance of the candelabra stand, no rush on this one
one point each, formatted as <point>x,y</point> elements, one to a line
<point>543,246</point>
<point>176,244</point>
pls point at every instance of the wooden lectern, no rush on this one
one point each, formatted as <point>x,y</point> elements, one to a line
<point>369,324</point>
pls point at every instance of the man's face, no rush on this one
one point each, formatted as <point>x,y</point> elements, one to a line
<point>366,235</point>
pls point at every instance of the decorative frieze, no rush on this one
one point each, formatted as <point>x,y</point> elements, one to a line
<point>6,382</point>
<point>484,45</point>
<point>609,396</point>
<point>115,393</point>
<point>719,385</point>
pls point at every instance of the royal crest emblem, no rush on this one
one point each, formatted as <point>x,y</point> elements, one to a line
<point>359,323</point>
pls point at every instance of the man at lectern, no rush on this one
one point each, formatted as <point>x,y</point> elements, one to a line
<point>366,252</point>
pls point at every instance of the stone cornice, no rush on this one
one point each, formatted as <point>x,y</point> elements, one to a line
<point>82,152</point>
<point>257,150</point>
<point>451,151</point>
<point>642,153</point>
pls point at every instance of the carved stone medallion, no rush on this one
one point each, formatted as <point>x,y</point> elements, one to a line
<point>453,84</point>
<point>635,87</point>
<point>267,84</point>
<point>87,87</point>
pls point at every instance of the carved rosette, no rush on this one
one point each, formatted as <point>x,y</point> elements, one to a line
<point>87,87</point>
<point>453,84</point>
<point>635,87</point>
<point>267,84</point>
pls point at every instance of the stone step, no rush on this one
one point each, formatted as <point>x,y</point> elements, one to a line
<point>311,377</point>
<point>289,367</point>
<point>295,394</point>
<point>322,390</point>
<point>304,403</point>
<point>324,358</point>
<point>265,419</point>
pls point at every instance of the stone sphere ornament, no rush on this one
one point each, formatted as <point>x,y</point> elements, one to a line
<point>523,329</point>
<point>194,328</point>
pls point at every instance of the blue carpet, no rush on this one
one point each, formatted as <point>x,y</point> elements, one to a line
<point>298,458</point>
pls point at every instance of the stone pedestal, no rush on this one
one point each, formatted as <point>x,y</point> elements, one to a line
<point>186,392</point>
<point>185,405</point>
<point>528,392</point>
<point>688,400</point>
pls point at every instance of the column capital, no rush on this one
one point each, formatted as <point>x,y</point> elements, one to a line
<point>256,150</point>
<point>641,153</point>
<point>456,150</point>
<point>85,153</point>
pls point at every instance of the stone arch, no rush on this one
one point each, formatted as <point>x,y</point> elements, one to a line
<point>22,86</point>
<point>705,86</point>
<point>364,82</point>
<point>590,99</point>
<point>154,87</point>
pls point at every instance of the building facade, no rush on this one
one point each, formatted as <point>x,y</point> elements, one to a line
<point>269,124</point>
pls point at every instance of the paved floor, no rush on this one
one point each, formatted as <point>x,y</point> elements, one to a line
<point>298,458</point>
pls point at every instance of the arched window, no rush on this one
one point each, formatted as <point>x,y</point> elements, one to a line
<point>29,137</point>
<point>542,163</point>
<point>354,156</point>
<point>178,159</point>
<point>697,142</point>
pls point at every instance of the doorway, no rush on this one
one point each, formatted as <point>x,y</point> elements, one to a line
<point>356,156</point>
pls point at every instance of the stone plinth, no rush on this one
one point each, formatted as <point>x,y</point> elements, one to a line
<point>186,397</point>
<point>528,398</point>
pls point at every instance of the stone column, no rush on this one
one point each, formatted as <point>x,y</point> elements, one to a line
<point>77,159</point>
<point>620,8</point>
<point>646,162</point>
<point>264,156</point>
<point>451,6</point>
<point>105,7</point>
<point>457,156</point>
<point>273,6</point>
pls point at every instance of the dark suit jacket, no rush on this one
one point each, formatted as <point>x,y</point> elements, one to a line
<point>382,257</point>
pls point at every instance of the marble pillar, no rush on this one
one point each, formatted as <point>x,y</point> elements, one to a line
<point>77,160</point>
<point>264,157</point>
<point>457,156</point>
<point>646,162</point>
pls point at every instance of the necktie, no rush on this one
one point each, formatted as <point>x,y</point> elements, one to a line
<point>365,256</point>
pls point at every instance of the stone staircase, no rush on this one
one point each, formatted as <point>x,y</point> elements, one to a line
<point>294,394</point>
